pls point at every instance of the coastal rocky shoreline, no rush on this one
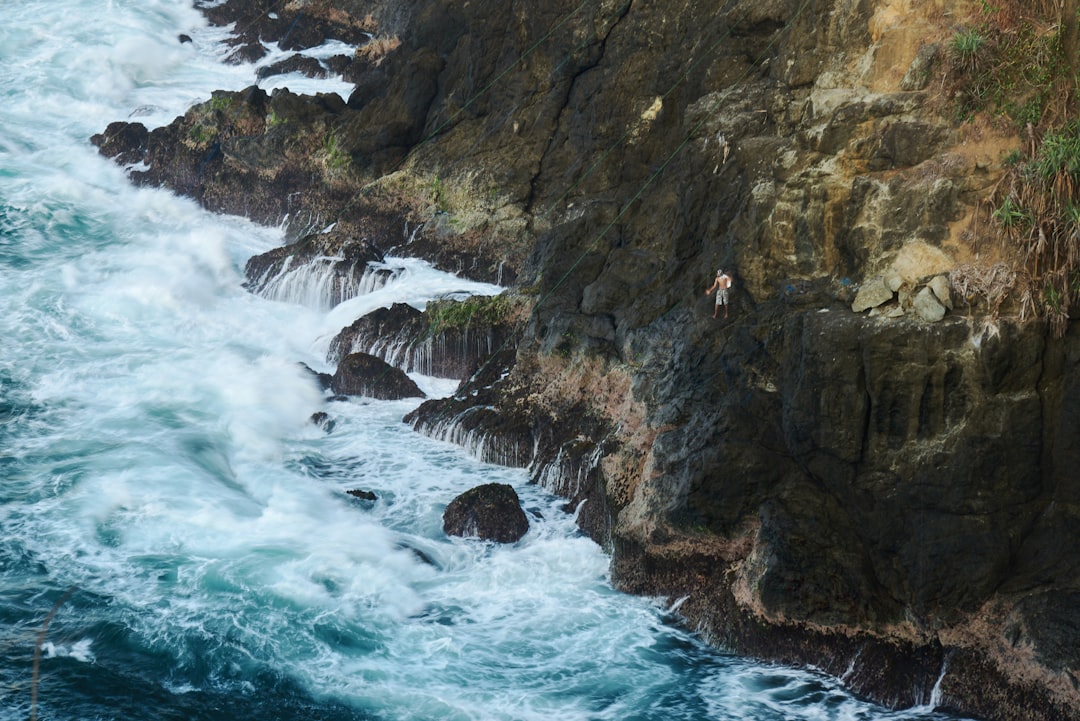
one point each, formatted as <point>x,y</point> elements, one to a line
<point>868,468</point>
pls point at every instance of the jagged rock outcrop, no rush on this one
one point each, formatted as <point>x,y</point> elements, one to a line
<point>360,374</point>
<point>887,499</point>
<point>450,339</point>
<point>491,512</point>
<point>321,269</point>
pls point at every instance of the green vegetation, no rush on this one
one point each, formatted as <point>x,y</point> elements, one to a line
<point>336,157</point>
<point>222,103</point>
<point>1017,64</point>
<point>1007,72</point>
<point>438,195</point>
<point>479,310</point>
<point>965,46</point>
<point>200,135</point>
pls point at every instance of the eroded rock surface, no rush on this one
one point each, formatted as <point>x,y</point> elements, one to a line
<point>491,512</point>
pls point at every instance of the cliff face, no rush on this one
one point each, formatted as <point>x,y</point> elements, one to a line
<point>892,500</point>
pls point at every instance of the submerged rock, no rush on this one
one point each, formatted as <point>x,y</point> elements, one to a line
<point>323,420</point>
<point>491,512</point>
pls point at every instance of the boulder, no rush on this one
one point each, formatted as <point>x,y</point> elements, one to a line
<point>491,512</point>
<point>873,293</point>
<point>360,374</point>
<point>939,284</point>
<point>927,306</point>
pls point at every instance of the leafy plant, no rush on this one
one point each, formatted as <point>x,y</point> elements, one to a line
<point>199,134</point>
<point>336,157</point>
<point>438,194</point>
<point>965,46</point>
<point>1010,216</point>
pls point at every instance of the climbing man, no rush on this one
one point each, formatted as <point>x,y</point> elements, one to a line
<point>721,286</point>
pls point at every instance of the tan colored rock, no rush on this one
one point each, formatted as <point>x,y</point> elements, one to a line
<point>927,306</point>
<point>894,280</point>
<point>939,284</point>
<point>871,294</point>
<point>918,260</point>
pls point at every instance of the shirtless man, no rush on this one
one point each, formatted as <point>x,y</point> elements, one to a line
<point>720,285</point>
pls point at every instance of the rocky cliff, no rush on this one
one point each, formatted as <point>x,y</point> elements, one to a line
<point>890,499</point>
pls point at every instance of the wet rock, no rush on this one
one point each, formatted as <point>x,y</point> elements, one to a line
<point>323,420</point>
<point>360,374</point>
<point>323,379</point>
<point>450,339</point>
<point>384,332</point>
<point>296,63</point>
<point>362,494</point>
<point>491,512</point>
<point>321,268</point>
<point>125,142</point>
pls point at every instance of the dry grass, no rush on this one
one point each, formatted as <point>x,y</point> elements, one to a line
<point>987,284</point>
<point>376,50</point>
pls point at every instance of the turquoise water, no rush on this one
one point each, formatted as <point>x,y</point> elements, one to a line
<point>162,491</point>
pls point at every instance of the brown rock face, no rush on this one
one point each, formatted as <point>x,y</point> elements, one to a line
<point>491,512</point>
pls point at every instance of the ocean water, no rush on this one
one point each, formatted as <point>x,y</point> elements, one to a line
<point>177,542</point>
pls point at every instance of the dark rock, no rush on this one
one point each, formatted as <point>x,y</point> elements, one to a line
<point>127,143</point>
<point>297,63</point>
<point>339,260</point>
<point>362,495</point>
<point>419,555</point>
<point>877,499</point>
<point>491,512</point>
<point>384,332</point>
<point>323,420</point>
<point>360,374</point>
<point>450,339</point>
<point>184,38</point>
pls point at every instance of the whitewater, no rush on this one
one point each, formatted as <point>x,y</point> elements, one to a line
<point>178,542</point>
